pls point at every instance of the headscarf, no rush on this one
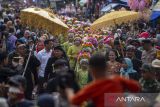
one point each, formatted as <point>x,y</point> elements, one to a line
<point>126,71</point>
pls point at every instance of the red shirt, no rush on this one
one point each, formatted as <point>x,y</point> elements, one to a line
<point>96,90</point>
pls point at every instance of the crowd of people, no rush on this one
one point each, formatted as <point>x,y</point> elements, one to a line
<point>40,69</point>
<point>87,10</point>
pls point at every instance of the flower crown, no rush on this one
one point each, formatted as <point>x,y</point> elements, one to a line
<point>84,55</point>
<point>93,41</point>
<point>87,44</point>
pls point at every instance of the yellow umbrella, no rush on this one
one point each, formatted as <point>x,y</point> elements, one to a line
<point>43,19</point>
<point>115,17</point>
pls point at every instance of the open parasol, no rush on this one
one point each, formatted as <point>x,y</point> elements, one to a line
<point>43,19</point>
<point>113,18</point>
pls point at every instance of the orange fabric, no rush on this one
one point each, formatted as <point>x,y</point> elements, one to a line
<point>97,89</point>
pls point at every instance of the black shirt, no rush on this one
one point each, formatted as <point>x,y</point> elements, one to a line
<point>5,73</point>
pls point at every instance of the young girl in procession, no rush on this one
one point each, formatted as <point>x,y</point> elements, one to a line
<point>82,74</point>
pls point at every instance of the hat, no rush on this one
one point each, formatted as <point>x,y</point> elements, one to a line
<point>17,81</point>
<point>146,67</point>
<point>46,100</point>
<point>156,63</point>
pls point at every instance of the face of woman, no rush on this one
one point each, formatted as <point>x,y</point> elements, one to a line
<point>58,53</point>
<point>129,54</point>
<point>77,42</point>
<point>112,56</point>
<point>40,46</point>
<point>124,65</point>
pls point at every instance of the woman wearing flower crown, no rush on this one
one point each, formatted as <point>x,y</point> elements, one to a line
<point>73,52</point>
<point>88,47</point>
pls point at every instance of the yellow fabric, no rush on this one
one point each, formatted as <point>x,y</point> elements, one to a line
<point>82,77</point>
<point>66,46</point>
<point>115,17</point>
<point>42,19</point>
<point>61,38</point>
<point>72,53</point>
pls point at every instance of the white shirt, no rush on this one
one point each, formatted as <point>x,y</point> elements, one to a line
<point>43,57</point>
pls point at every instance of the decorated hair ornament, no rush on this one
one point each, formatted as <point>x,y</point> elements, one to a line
<point>93,41</point>
<point>84,55</point>
<point>88,47</point>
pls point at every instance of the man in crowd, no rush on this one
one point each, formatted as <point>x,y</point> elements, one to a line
<point>5,72</point>
<point>11,40</point>
<point>149,53</point>
<point>43,57</point>
<point>148,81</point>
<point>16,94</point>
<point>14,53</point>
<point>156,68</point>
<point>26,36</point>
<point>19,63</point>
<point>138,53</point>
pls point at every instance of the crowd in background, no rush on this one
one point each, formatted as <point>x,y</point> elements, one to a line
<point>37,68</point>
<point>89,10</point>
